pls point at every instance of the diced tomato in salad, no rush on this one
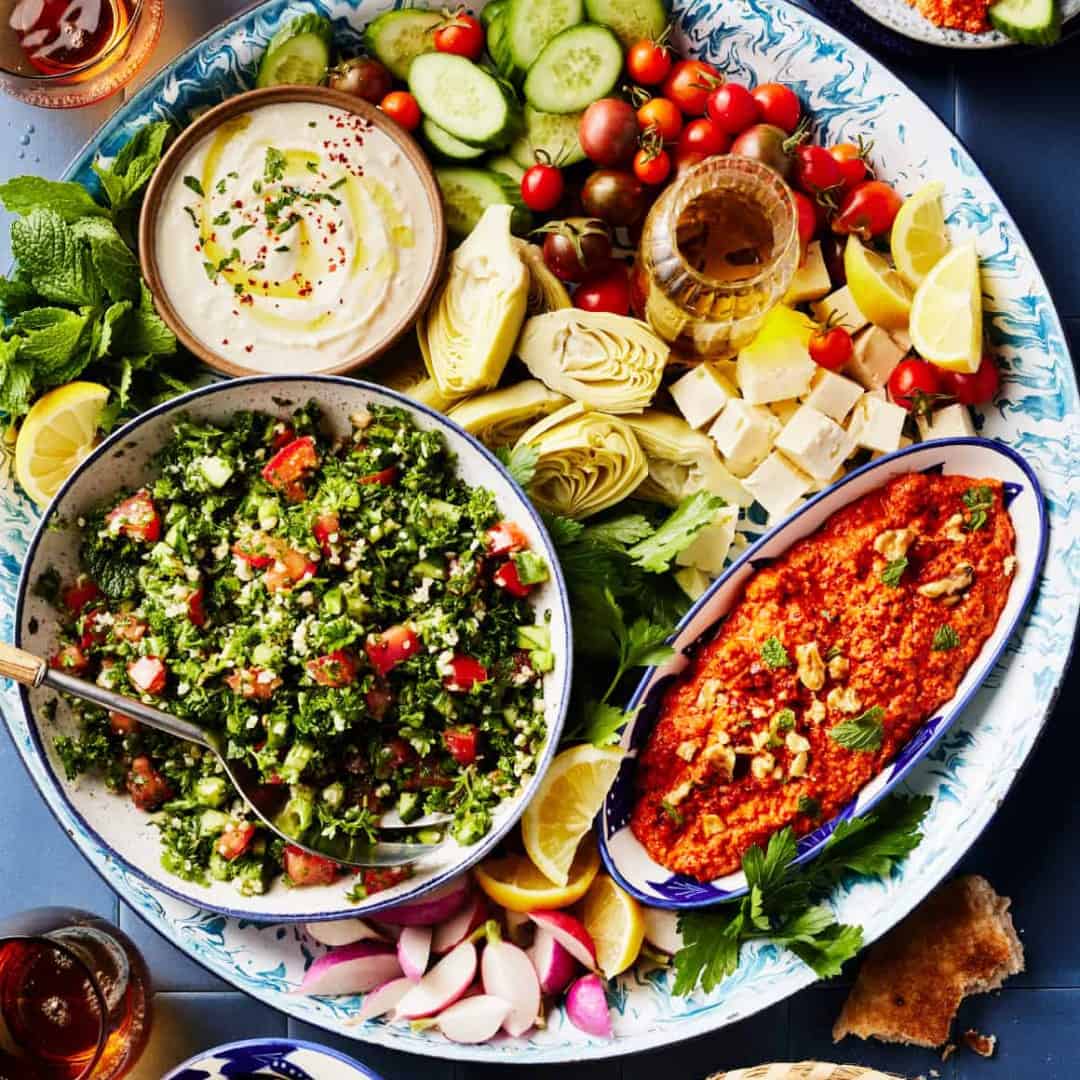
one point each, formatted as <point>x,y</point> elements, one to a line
<point>287,469</point>
<point>123,725</point>
<point>303,868</point>
<point>253,683</point>
<point>148,674</point>
<point>378,699</point>
<point>136,517</point>
<point>507,577</point>
<point>383,476</point>
<point>129,628</point>
<point>283,435</point>
<point>390,648</point>
<point>257,550</point>
<point>506,537</point>
<point>326,526</point>
<point>376,881</point>
<point>465,673</point>
<point>335,669</point>
<point>71,659</point>
<point>196,609</point>
<point>146,786</point>
<point>80,595</point>
<point>461,743</point>
<point>235,840</point>
<point>289,569</point>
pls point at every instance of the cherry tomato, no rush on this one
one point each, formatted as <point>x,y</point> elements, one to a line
<point>465,673</point>
<point>614,196</point>
<point>687,159</point>
<point>391,647</point>
<point>652,167</point>
<point>542,187</point>
<point>868,209</point>
<point>973,389</point>
<point>79,594</point>
<point>912,381</point>
<point>335,669</point>
<point>146,786</point>
<point>831,347</point>
<point>253,684</point>
<point>120,724</point>
<point>137,518</point>
<point>779,105</point>
<point>806,209</point>
<point>303,868</point>
<point>196,608</point>
<point>71,659</point>
<point>608,291</point>
<point>705,138</point>
<point>402,108</point>
<point>768,144</point>
<point>816,169</point>
<point>147,674</point>
<point>732,108</point>
<point>689,85</point>
<point>663,115</point>
<point>506,577</point>
<point>384,476</point>
<point>648,62</point>
<point>235,840</point>
<point>505,537</point>
<point>460,743</point>
<point>461,35</point>
<point>363,77</point>
<point>326,532</point>
<point>576,247</point>
<point>852,162</point>
<point>608,131</point>
<point>288,467</point>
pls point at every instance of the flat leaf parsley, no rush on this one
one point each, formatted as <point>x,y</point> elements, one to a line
<point>979,501</point>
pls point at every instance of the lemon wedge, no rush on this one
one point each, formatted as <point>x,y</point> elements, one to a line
<point>58,432</point>
<point>920,237</point>
<point>616,923</point>
<point>880,293</point>
<point>564,806</point>
<point>515,884</point>
<point>946,314</point>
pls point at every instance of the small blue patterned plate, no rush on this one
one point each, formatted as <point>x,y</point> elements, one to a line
<point>274,1059</point>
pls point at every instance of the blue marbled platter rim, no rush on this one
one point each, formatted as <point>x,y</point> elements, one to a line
<point>357,1067</point>
<point>473,854</point>
<point>811,845</point>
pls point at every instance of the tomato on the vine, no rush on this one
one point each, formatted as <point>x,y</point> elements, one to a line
<point>461,35</point>
<point>402,108</point>
<point>732,108</point>
<point>663,115</point>
<point>807,217</point>
<point>689,85</point>
<point>652,166</point>
<point>852,161</point>
<point>868,209</point>
<point>542,187</point>
<point>606,291</point>
<point>816,170</point>
<point>830,347</point>
<point>703,137</point>
<point>576,247</point>
<point>913,382</point>
<point>608,131</point>
<point>648,62</point>
<point>779,105</point>
<point>973,389</point>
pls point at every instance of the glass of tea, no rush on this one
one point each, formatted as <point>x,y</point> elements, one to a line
<point>74,997</point>
<point>68,53</point>
<point>718,250</point>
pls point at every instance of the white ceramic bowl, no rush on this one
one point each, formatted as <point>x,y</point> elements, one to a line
<point>272,1059</point>
<point>124,461</point>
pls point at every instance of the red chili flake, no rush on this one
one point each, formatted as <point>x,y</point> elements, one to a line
<point>224,341</point>
<point>198,247</point>
<point>238,204</point>
<point>249,348</point>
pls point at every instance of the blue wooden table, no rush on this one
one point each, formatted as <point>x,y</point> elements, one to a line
<point>1018,116</point>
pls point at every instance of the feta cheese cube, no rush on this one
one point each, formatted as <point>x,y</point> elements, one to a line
<point>874,357</point>
<point>779,516</point>
<point>777,484</point>
<point>811,280</point>
<point>876,424</point>
<point>785,410</point>
<point>833,394</point>
<point>717,479</point>
<point>701,393</point>
<point>952,422</point>
<point>776,364</point>
<point>905,441</point>
<point>840,306</point>
<point>744,434</point>
<point>708,551</point>
<point>692,581</point>
<point>815,443</point>
<point>822,484</point>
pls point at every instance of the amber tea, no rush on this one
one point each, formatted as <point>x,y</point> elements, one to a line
<point>62,37</point>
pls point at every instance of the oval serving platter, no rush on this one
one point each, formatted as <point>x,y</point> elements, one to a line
<point>970,770</point>
<point>622,852</point>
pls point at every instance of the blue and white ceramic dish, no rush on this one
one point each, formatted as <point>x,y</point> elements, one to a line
<point>125,460</point>
<point>272,1059</point>
<point>622,852</point>
<point>968,772</point>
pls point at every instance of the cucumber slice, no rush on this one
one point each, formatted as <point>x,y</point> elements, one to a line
<point>488,15</point>
<point>531,25</point>
<point>555,134</point>
<point>574,69</point>
<point>506,166</point>
<point>467,193</point>
<point>397,38</point>
<point>1032,22</point>
<point>632,20</point>
<point>445,146</point>
<point>298,54</point>
<point>498,43</point>
<point>464,100</point>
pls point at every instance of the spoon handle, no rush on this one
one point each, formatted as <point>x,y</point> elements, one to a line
<point>23,667</point>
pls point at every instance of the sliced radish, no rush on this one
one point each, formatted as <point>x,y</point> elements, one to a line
<point>383,999</point>
<point>662,930</point>
<point>390,933</point>
<point>519,927</point>
<point>569,933</point>
<point>434,907</point>
<point>587,1007</point>
<point>353,969</point>
<point>413,950</point>
<point>554,966</point>
<point>508,974</point>
<point>474,1020</point>
<point>442,985</point>
<point>456,929</point>
<point>342,932</point>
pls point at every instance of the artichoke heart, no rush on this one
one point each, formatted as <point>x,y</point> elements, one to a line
<point>500,417</point>
<point>468,332</point>
<point>402,369</point>
<point>682,461</point>
<point>605,361</point>
<point>546,291</point>
<point>587,461</point>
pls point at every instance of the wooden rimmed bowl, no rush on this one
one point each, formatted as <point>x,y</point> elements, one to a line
<point>412,302</point>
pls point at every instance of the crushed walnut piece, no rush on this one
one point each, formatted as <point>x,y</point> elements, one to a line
<point>954,529</point>
<point>952,585</point>
<point>843,699</point>
<point>810,666</point>
<point>893,544</point>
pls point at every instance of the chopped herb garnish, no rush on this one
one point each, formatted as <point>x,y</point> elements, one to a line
<point>894,571</point>
<point>190,211</point>
<point>945,638</point>
<point>864,733</point>
<point>257,265</point>
<point>220,186</point>
<point>283,247</point>
<point>338,183</point>
<point>672,812</point>
<point>774,654</point>
<point>274,169</point>
<point>312,123</point>
<point>832,652</point>
<point>311,166</point>
<point>284,226</point>
<point>979,500</point>
<point>223,218</point>
<point>256,186</point>
<point>193,183</point>
<point>240,230</point>
<point>784,719</point>
<point>809,806</point>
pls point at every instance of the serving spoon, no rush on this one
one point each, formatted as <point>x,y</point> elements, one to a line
<point>266,800</point>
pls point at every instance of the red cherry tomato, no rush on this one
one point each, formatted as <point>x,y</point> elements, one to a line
<point>303,868</point>
<point>391,647</point>
<point>705,138</point>
<point>402,108</point>
<point>196,609</point>
<point>79,594</point>
<point>807,212</point>
<point>146,786</point>
<point>147,674</point>
<point>542,187</point>
<point>912,381</point>
<point>831,347</point>
<point>652,167</point>
<point>461,35</point>
<point>465,673</point>
<point>852,162</point>
<point>336,669</point>
<point>460,743</point>
<point>608,291</point>
<point>687,159</point>
<point>288,467</point>
<point>779,105</point>
<point>868,209</point>
<point>506,577</point>
<point>137,518</point>
<point>608,131</point>
<point>70,658</point>
<point>663,115</point>
<point>732,108</point>
<point>325,527</point>
<point>235,840</point>
<point>973,389</point>
<point>689,85</point>
<point>648,62</point>
<point>816,169</point>
<point>505,537</point>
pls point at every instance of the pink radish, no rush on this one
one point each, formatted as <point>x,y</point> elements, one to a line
<point>508,974</point>
<point>383,998</point>
<point>342,932</point>
<point>455,930</point>
<point>474,1020</point>
<point>587,1008</point>
<point>442,985</point>
<point>569,933</point>
<point>554,966</point>
<point>519,927</point>
<point>434,907</point>
<point>353,969</point>
<point>662,930</point>
<point>388,932</point>
<point>413,950</point>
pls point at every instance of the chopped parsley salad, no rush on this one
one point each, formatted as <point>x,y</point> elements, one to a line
<point>350,615</point>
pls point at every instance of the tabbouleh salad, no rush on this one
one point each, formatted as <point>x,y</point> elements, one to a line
<point>351,615</point>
